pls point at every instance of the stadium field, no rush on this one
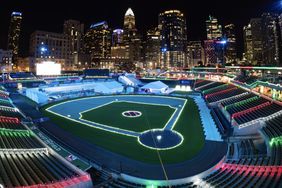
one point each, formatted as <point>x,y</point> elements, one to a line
<point>185,120</point>
<point>151,116</point>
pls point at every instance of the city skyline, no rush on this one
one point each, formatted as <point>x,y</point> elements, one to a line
<point>51,18</point>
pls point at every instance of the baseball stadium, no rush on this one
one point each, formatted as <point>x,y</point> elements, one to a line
<point>180,129</point>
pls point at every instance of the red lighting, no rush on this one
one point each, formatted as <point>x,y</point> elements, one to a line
<point>9,120</point>
<point>220,92</point>
<point>250,110</point>
<point>59,184</point>
<point>255,170</point>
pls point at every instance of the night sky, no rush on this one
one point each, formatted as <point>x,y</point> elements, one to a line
<point>49,15</point>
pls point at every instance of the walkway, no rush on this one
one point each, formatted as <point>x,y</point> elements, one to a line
<point>210,128</point>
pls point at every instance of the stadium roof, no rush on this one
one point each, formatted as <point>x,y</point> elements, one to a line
<point>155,85</point>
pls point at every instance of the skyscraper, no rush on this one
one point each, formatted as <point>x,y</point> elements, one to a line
<point>231,51</point>
<point>248,43</point>
<point>173,34</point>
<point>195,53</point>
<point>98,42</point>
<point>131,39</point>
<point>253,41</point>
<point>271,39</point>
<point>117,37</point>
<point>75,31</point>
<point>14,33</point>
<point>214,30</point>
<point>213,52</point>
<point>152,49</point>
<point>118,49</point>
<point>210,52</point>
<point>129,24</point>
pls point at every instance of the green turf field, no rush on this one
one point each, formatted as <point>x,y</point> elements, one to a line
<point>153,116</point>
<point>188,125</point>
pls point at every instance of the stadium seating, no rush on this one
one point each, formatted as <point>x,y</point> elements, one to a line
<point>32,169</point>
<point>245,174</point>
<point>26,162</point>
<point>10,123</point>
<point>246,79</point>
<point>209,86</point>
<point>200,83</point>
<point>237,99</point>
<point>224,94</point>
<point>273,127</point>
<point>243,167</point>
<point>9,112</point>
<point>257,113</point>
<point>18,139</point>
<point>246,104</point>
<point>252,169</point>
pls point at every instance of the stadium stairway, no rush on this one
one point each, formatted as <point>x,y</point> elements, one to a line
<point>210,128</point>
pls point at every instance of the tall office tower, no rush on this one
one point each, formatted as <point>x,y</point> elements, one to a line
<point>152,49</point>
<point>253,41</point>
<point>248,43</point>
<point>213,54</point>
<point>173,34</point>
<point>75,31</point>
<point>210,52</point>
<point>256,28</point>
<point>118,49</point>
<point>129,26</point>
<point>14,34</point>
<point>117,37</point>
<point>271,39</point>
<point>49,46</point>
<point>98,42</point>
<point>231,50</point>
<point>214,30</point>
<point>195,53</point>
<point>131,39</point>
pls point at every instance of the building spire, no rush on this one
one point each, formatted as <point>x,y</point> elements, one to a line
<point>129,12</point>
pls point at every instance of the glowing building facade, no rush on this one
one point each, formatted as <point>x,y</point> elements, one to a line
<point>230,36</point>
<point>271,40</point>
<point>131,39</point>
<point>97,41</point>
<point>152,47</point>
<point>214,30</point>
<point>14,33</point>
<point>49,46</point>
<point>173,36</point>
<point>195,53</point>
<point>75,31</point>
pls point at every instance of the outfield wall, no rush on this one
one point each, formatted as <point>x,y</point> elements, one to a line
<point>173,182</point>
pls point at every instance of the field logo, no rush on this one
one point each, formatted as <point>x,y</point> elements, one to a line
<point>131,114</point>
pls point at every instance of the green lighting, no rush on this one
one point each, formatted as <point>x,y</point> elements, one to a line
<point>16,133</point>
<point>240,103</point>
<point>275,140</point>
